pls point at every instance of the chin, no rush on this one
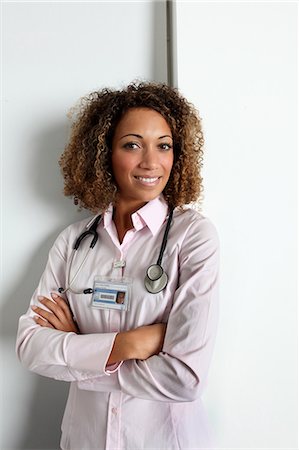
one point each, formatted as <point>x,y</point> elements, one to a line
<point>149,197</point>
<point>140,197</point>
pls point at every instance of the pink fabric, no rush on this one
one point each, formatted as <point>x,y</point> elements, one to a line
<point>136,404</point>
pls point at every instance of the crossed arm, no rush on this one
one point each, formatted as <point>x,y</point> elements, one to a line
<point>139,343</point>
<point>175,371</point>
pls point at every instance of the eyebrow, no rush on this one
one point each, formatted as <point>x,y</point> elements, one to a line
<point>140,137</point>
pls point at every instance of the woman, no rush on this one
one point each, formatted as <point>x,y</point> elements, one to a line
<point>137,367</point>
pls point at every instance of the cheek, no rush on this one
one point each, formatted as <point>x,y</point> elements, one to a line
<point>121,164</point>
<point>169,162</point>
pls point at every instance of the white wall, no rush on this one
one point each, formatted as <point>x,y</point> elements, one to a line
<point>237,63</point>
<point>53,53</point>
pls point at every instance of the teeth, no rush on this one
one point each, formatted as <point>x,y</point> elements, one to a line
<point>147,180</point>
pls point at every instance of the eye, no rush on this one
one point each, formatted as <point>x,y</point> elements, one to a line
<point>165,146</point>
<point>131,145</point>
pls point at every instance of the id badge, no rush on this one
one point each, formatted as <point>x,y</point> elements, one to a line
<point>109,293</point>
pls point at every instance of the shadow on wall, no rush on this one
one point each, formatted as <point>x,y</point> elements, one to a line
<point>45,409</point>
<point>42,430</point>
<point>44,414</point>
<point>47,183</point>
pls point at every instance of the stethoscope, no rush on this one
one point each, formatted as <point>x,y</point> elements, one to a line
<point>155,279</point>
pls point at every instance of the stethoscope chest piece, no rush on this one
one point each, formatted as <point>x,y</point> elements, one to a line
<point>156,279</point>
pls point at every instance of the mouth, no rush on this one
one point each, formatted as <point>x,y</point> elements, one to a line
<point>148,181</point>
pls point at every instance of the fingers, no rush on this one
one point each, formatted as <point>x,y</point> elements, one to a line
<point>42,322</point>
<point>57,306</point>
<point>54,307</point>
<point>57,315</point>
<point>63,304</point>
<point>46,315</point>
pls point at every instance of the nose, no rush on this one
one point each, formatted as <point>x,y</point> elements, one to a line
<point>150,159</point>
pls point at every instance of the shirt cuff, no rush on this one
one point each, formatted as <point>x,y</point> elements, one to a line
<point>100,384</point>
<point>90,352</point>
<point>112,368</point>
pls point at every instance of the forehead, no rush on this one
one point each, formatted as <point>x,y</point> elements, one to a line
<point>142,118</point>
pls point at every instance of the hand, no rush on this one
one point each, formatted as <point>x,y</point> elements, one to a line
<point>148,340</point>
<point>59,317</point>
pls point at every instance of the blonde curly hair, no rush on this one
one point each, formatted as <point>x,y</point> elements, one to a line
<point>86,160</point>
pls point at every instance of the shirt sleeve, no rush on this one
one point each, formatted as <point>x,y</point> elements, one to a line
<point>179,372</point>
<point>57,354</point>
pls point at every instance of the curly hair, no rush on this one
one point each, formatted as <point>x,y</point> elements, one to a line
<point>86,160</point>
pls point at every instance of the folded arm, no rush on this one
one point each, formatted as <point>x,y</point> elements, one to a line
<point>49,341</point>
<point>172,370</point>
<point>178,373</point>
<point>54,352</point>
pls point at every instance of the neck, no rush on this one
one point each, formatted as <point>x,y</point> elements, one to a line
<point>122,213</point>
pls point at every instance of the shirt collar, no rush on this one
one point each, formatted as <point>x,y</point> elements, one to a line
<point>152,215</point>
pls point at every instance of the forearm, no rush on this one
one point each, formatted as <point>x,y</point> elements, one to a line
<point>139,343</point>
<point>122,349</point>
<point>62,355</point>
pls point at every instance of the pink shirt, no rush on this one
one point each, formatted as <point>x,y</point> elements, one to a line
<point>135,404</point>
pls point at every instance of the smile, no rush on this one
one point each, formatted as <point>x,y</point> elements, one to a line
<point>148,180</point>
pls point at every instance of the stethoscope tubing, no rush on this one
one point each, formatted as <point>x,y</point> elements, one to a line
<point>91,230</point>
<point>69,284</point>
<point>153,285</point>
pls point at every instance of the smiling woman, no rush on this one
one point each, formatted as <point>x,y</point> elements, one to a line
<point>135,350</point>
<point>142,159</point>
<point>87,164</point>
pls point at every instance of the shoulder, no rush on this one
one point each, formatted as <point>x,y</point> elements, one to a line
<point>193,224</point>
<point>197,239</point>
<point>69,234</point>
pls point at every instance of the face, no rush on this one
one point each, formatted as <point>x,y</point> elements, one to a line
<point>142,155</point>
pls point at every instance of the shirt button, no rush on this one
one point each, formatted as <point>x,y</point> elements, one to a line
<point>114,410</point>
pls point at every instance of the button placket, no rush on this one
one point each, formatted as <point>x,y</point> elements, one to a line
<point>115,316</point>
<point>113,421</point>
